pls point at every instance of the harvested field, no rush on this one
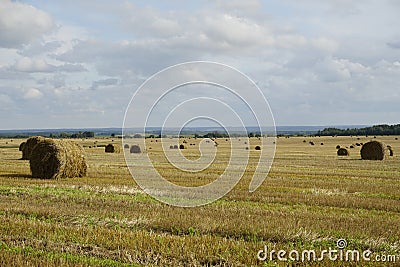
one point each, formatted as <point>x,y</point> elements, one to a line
<point>310,199</point>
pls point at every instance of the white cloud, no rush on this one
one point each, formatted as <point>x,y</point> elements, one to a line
<point>148,21</point>
<point>26,64</point>
<point>70,68</point>
<point>235,31</point>
<point>334,70</point>
<point>40,48</point>
<point>33,93</point>
<point>21,23</point>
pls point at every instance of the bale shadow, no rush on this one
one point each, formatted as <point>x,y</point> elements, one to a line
<point>16,175</point>
<point>349,159</point>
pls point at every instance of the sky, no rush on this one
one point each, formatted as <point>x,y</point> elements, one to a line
<point>77,64</point>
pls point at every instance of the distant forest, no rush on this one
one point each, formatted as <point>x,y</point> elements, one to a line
<point>373,130</point>
<point>50,134</point>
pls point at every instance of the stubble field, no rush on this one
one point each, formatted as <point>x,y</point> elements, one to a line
<point>310,199</point>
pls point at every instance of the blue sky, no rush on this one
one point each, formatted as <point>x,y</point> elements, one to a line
<point>72,64</point>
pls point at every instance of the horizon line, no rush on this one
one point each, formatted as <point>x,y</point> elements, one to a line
<point>111,127</point>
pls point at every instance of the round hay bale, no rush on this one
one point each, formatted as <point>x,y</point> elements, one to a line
<point>126,146</point>
<point>21,146</point>
<point>373,150</point>
<point>343,152</point>
<point>337,147</point>
<point>135,149</point>
<point>322,144</point>
<point>257,148</point>
<point>175,146</point>
<point>171,147</point>
<point>29,145</point>
<point>112,148</point>
<point>53,159</point>
<point>182,146</point>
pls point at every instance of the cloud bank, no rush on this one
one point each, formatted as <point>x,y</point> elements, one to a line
<point>77,63</point>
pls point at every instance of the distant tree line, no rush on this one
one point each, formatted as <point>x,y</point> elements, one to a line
<point>214,134</point>
<point>51,135</point>
<point>254,135</point>
<point>383,129</point>
<point>217,134</point>
<point>72,135</point>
